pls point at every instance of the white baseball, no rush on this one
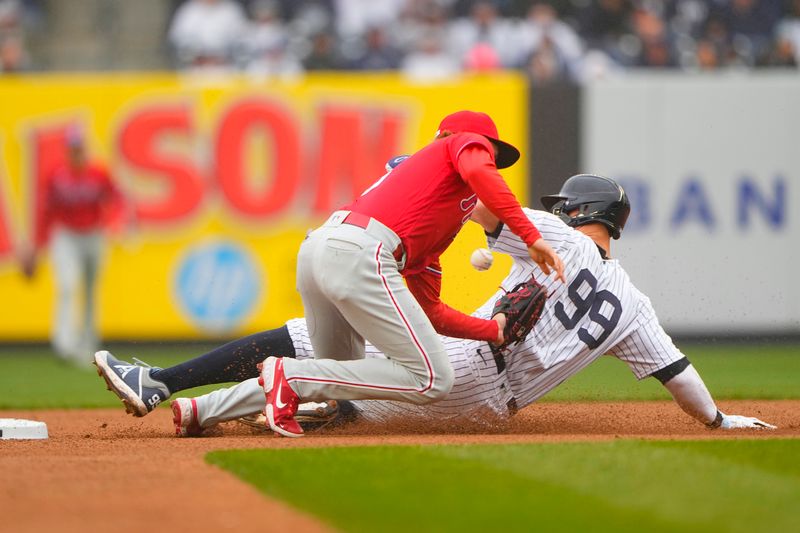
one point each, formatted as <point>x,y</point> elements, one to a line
<point>481,259</point>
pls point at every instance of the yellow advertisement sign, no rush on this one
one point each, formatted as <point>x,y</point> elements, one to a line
<point>223,178</point>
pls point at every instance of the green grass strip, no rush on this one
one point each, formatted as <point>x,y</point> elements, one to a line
<point>610,486</point>
<point>730,372</point>
<point>32,378</point>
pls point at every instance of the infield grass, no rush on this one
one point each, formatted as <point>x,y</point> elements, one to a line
<point>32,378</point>
<point>763,372</point>
<point>624,485</point>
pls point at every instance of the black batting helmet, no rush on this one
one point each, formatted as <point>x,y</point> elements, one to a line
<point>597,199</point>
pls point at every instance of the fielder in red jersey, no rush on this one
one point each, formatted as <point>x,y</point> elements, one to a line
<point>81,198</point>
<point>351,270</point>
<point>440,186</point>
<point>76,204</point>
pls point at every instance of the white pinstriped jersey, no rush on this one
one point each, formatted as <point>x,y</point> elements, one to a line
<point>597,311</point>
<point>479,392</point>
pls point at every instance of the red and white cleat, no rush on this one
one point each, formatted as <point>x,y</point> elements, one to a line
<point>184,415</point>
<point>282,401</point>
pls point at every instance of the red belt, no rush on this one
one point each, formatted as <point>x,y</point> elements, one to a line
<point>362,221</point>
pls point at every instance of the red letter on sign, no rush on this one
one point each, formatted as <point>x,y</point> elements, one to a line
<point>355,147</point>
<point>139,143</point>
<point>5,235</point>
<point>281,146</point>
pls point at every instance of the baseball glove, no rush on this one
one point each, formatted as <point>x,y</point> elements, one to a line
<point>310,415</point>
<point>522,306</point>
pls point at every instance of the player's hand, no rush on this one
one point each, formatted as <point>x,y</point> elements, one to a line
<point>743,422</point>
<point>547,259</point>
<point>500,318</point>
<point>27,264</point>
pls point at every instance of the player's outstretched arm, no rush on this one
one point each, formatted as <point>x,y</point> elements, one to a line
<point>690,393</point>
<point>478,170</point>
<point>426,287</point>
<point>540,251</point>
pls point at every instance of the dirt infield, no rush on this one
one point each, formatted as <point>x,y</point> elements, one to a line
<point>102,469</point>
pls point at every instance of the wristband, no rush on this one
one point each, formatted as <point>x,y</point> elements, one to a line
<point>717,422</point>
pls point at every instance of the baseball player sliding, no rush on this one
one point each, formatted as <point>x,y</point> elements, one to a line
<point>350,275</point>
<point>597,311</point>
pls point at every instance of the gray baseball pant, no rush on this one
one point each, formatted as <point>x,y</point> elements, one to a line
<point>352,289</point>
<point>76,263</point>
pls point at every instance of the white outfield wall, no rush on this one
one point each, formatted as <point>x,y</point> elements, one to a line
<point>712,166</point>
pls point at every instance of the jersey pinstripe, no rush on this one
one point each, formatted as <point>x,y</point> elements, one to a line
<point>598,310</point>
<point>479,392</point>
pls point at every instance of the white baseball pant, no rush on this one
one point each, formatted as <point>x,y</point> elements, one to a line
<point>76,261</point>
<point>350,283</point>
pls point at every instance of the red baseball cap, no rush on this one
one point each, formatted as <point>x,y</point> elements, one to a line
<point>482,124</point>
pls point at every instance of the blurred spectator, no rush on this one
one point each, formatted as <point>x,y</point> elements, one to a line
<point>419,19</point>
<point>375,52</point>
<point>781,55</point>
<point>752,18</point>
<point>597,65</point>
<point>542,29</point>
<point>750,24</point>
<point>789,28</point>
<point>655,49</point>
<point>264,49</point>
<point>323,54</point>
<point>716,31</point>
<point>293,10</point>
<point>482,58</point>
<point>685,17</point>
<point>484,26</point>
<point>13,54</point>
<point>355,17</point>
<point>707,55</point>
<point>13,57</point>
<point>10,16</point>
<point>204,33</point>
<point>275,63</point>
<point>78,202</point>
<point>478,34</point>
<point>266,29</point>
<point>602,23</point>
<point>715,37</point>
<point>311,17</point>
<point>546,64</point>
<point>430,62</point>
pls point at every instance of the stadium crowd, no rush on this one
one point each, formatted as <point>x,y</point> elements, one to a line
<point>434,39</point>
<point>428,40</point>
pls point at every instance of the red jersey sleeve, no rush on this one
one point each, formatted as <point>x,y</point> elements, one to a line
<point>459,142</point>
<point>114,207</point>
<point>426,287</point>
<point>478,169</point>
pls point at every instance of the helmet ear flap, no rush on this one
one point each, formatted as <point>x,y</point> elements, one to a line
<point>560,209</point>
<point>567,206</point>
<point>557,207</point>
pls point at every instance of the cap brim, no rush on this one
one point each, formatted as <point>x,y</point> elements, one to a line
<point>507,155</point>
<point>549,201</point>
